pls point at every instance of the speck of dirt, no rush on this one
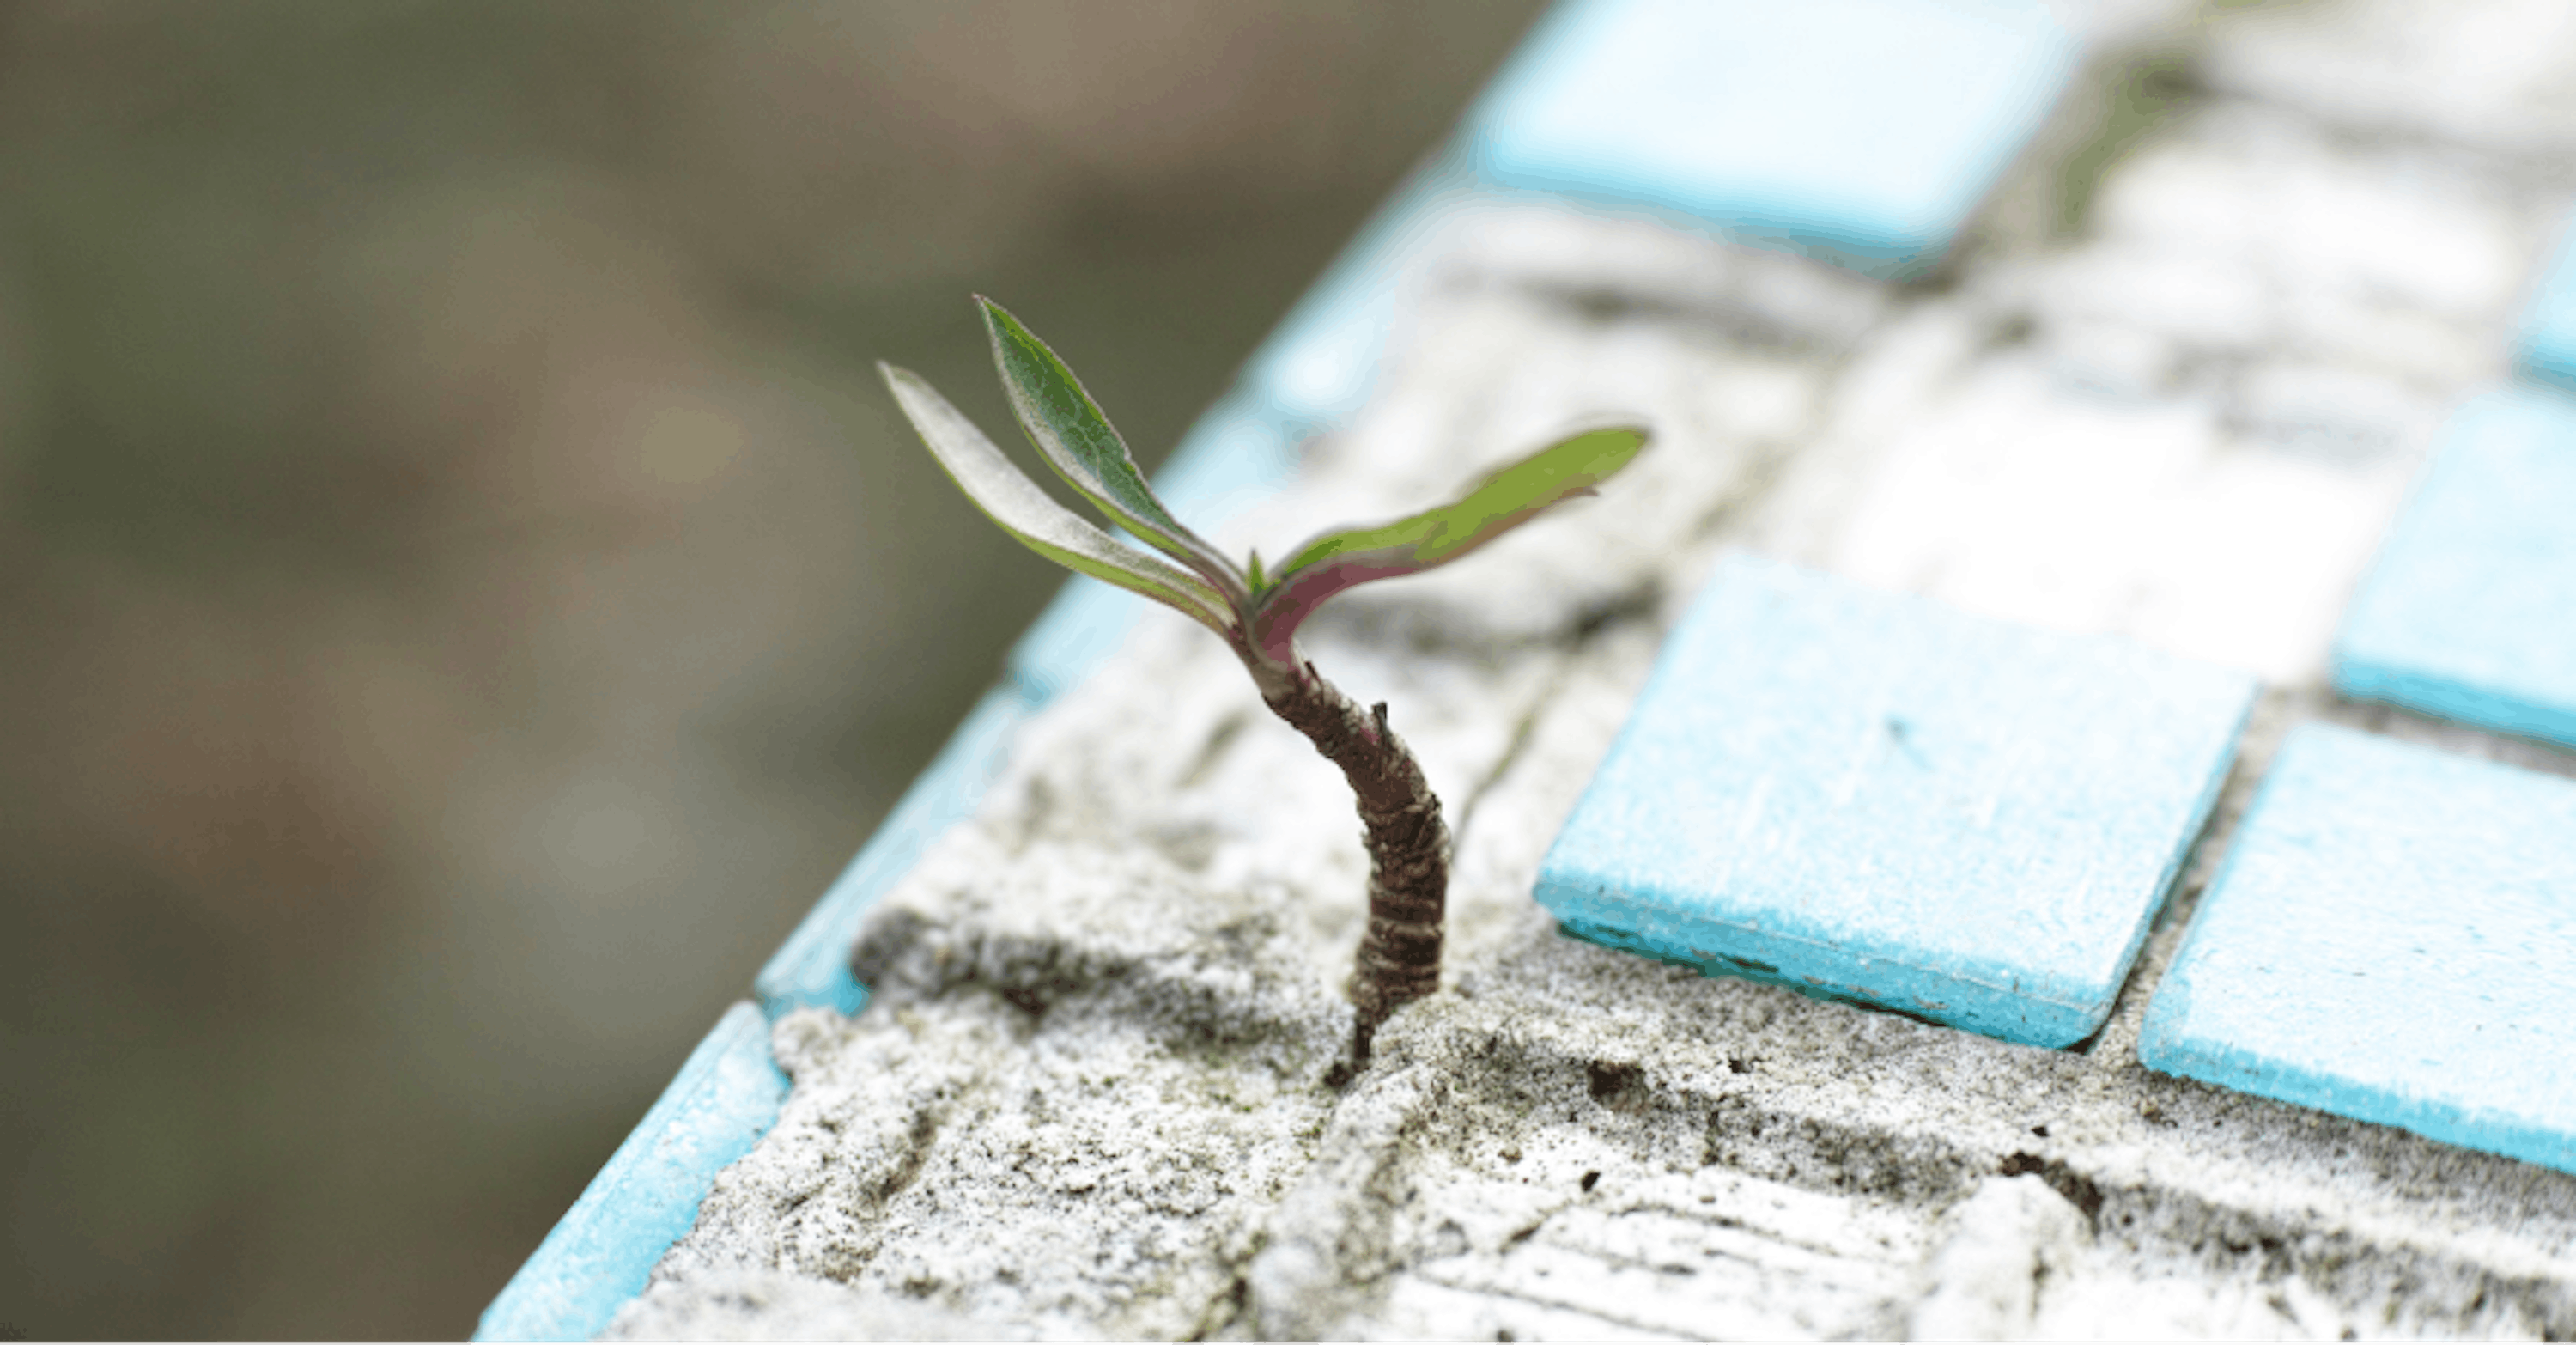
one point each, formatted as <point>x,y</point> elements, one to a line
<point>1620,1087</point>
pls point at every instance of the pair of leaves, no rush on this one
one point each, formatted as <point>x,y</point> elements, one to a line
<point>1254,609</point>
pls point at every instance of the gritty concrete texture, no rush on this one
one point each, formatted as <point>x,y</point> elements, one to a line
<point>2191,425</point>
<point>2313,974</point>
<point>2493,76</point>
<point>1090,1149</point>
<point>2175,396</point>
<point>2470,612</point>
<point>1874,796</point>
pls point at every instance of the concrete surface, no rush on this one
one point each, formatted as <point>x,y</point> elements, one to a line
<point>1087,1097</point>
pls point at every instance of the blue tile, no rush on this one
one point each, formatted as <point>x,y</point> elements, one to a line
<point>2469,612</point>
<point>1878,799</point>
<point>813,967</point>
<point>1861,131</point>
<point>725,1098</point>
<point>2393,938</point>
<point>2548,347</point>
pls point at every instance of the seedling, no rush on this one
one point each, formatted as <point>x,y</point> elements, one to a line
<point>1257,611</point>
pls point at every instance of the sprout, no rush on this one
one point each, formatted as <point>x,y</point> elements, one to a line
<point>1257,612</point>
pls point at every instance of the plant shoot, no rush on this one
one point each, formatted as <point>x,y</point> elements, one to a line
<point>1257,611</point>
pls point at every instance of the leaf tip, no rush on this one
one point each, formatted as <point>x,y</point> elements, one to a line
<point>899,380</point>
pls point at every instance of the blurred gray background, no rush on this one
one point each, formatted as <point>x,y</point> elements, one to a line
<point>462,592</point>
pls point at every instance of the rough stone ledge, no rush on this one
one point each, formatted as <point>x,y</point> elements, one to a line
<point>1087,1099</point>
<point>1897,1123</point>
<point>1568,1141</point>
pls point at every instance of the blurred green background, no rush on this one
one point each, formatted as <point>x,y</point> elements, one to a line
<point>462,593</point>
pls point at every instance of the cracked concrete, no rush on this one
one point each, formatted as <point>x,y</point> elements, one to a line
<point>1088,1097</point>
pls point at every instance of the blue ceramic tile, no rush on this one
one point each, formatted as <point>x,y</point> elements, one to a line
<point>1878,799</point>
<point>1861,131</point>
<point>2393,938</point>
<point>2470,611</point>
<point>2549,325</point>
<point>604,1249</point>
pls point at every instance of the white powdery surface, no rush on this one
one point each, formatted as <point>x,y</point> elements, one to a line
<point>1091,1100</point>
<point>1092,1095</point>
<point>1026,1134</point>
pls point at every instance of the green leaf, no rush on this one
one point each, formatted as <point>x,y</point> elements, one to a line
<point>1077,440</point>
<point>1496,505</point>
<point>1501,502</point>
<point>1012,500</point>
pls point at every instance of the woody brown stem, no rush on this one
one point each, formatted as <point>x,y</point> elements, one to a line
<point>1408,846</point>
